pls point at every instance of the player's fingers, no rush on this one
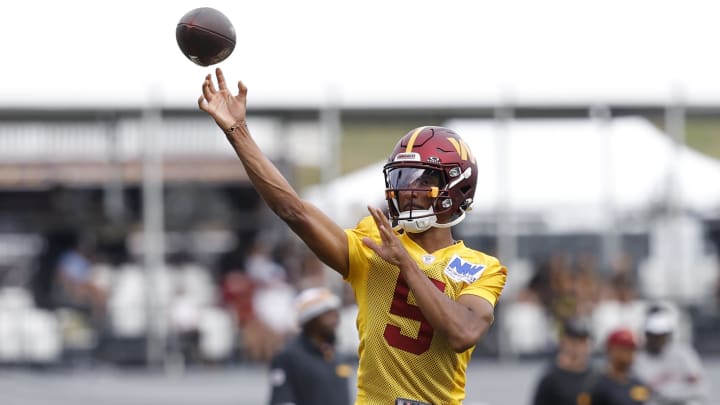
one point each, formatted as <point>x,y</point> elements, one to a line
<point>378,224</point>
<point>202,103</point>
<point>210,84</point>
<point>208,91</point>
<point>372,245</point>
<point>381,223</point>
<point>372,212</point>
<point>388,235</point>
<point>379,217</point>
<point>383,218</point>
<point>222,85</point>
<point>242,90</point>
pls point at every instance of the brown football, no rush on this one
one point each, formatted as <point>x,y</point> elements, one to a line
<point>205,36</point>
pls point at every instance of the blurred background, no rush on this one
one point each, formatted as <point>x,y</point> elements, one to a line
<point>138,264</point>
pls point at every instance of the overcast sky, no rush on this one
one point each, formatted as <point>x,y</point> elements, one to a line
<point>401,52</point>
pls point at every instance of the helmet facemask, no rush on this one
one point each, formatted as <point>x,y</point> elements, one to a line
<point>416,195</point>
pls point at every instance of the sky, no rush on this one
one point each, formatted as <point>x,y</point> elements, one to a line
<point>375,52</point>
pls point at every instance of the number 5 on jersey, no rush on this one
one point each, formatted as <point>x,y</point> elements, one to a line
<point>401,307</point>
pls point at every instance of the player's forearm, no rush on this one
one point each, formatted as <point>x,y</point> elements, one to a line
<point>449,318</point>
<point>325,238</point>
<point>272,186</point>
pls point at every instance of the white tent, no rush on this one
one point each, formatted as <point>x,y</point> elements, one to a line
<point>570,172</point>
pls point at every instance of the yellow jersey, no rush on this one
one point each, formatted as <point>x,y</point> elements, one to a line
<point>401,357</point>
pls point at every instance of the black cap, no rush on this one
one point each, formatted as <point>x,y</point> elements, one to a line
<point>575,328</point>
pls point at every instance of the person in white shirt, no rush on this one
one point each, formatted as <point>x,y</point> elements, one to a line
<point>671,368</point>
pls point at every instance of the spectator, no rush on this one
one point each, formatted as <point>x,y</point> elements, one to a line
<point>621,308</point>
<point>348,339</point>
<point>237,292</point>
<point>671,368</point>
<point>312,272</point>
<point>307,371</point>
<point>587,285</point>
<point>272,320</point>
<point>617,385</point>
<point>77,288</point>
<point>74,276</point>
<point>563,301</point>
<point>568,379</point>
<point>260,265</point>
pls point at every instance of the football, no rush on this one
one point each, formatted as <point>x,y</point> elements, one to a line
<point>205,36</point>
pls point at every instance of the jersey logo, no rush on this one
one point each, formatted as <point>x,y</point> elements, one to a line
<point>343,370</point>
<point>460,270</point>
<point>639,393</point>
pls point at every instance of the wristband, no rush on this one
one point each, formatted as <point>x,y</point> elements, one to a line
<point>235,126</point>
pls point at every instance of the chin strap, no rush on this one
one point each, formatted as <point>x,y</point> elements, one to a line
<point>418,225</point>
<point>451,223</point>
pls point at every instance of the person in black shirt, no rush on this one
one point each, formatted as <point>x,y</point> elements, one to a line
<point>617,385</point>
<point>307,371</point>
<point>568,379</point>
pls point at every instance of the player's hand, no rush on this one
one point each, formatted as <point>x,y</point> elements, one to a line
<point>390,249</point>
<point>225,108</point>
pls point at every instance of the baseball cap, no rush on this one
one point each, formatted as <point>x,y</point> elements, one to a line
<point>313,302</point>
<point>622,337</point>
<point>659,323</point>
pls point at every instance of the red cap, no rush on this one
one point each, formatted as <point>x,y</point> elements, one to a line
<point>622,337</point>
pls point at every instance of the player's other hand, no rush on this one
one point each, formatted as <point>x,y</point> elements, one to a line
<point>225,108</point>
<point>390,249</point>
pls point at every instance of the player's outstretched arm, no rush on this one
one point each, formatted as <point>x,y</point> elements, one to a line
<point>323,236</point>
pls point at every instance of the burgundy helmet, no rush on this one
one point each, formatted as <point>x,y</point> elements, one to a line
<point>436,161</point>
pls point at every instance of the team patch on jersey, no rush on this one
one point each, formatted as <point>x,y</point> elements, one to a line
<point>460,270</point>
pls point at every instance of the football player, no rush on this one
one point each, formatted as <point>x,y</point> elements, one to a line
<point>424,298</point>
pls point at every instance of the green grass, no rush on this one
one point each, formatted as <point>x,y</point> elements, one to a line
<point>703,134</point>
<point>362,144</point>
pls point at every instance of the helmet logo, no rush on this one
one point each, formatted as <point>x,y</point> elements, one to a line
<point>434,160</point>
<point>407,156</point>
<point>462,149</point>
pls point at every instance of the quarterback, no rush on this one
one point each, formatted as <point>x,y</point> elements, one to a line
<point>424,298</point>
